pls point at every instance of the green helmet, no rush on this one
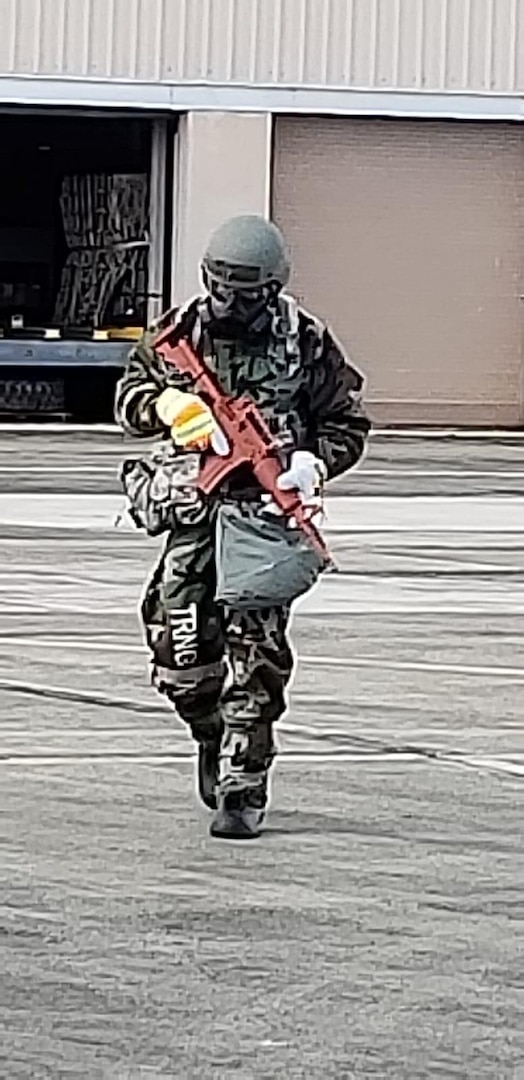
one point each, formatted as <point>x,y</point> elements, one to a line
<point>246,252</point>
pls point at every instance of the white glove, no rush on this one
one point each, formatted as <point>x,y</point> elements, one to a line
<point>306,474</point>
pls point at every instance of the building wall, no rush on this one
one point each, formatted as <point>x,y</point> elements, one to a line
<point>223,167</point>
<point>449,46</point>
<point>407,236</point>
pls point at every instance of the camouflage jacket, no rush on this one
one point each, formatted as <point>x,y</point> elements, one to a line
<point>307,389</point>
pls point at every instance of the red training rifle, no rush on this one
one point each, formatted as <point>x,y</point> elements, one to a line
<point>250,441</point>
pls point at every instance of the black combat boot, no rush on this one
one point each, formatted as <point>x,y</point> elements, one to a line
<point>240,813</point>
<point>208,769</point>
<point>208,734</point>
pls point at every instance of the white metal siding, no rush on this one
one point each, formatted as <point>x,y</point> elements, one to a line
<point>432,45</point>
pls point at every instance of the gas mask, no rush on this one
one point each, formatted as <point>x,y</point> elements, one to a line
<point>240,310</point>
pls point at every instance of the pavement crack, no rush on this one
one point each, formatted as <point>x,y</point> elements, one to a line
<point>83,697</point>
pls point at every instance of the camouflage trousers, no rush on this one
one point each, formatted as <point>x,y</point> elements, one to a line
<point>225,671</point>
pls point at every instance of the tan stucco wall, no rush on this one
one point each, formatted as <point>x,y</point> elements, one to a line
<point>223,167</point>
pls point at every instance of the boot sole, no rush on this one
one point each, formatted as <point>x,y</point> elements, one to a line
<point>219,834</point>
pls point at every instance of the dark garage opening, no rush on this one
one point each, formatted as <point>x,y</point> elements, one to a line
<point>74,217</point>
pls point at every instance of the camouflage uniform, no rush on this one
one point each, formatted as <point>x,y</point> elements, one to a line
<point>309,395</point>
<point>296,373</point>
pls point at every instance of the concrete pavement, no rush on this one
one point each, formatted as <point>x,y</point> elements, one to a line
<point>374,930</point>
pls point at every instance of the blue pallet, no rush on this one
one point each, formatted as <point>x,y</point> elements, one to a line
<point>37,353</point>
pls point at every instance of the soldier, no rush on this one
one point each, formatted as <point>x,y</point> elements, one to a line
<point>257,341</point>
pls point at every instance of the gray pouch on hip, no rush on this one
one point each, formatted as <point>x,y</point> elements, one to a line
<point>259,561</point>
<point>161,490</point>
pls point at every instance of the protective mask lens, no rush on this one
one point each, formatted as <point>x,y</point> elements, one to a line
<point>237,304</point>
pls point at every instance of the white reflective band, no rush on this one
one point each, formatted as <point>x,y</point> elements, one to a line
<point>194,675</point>
<point>131,395</point>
